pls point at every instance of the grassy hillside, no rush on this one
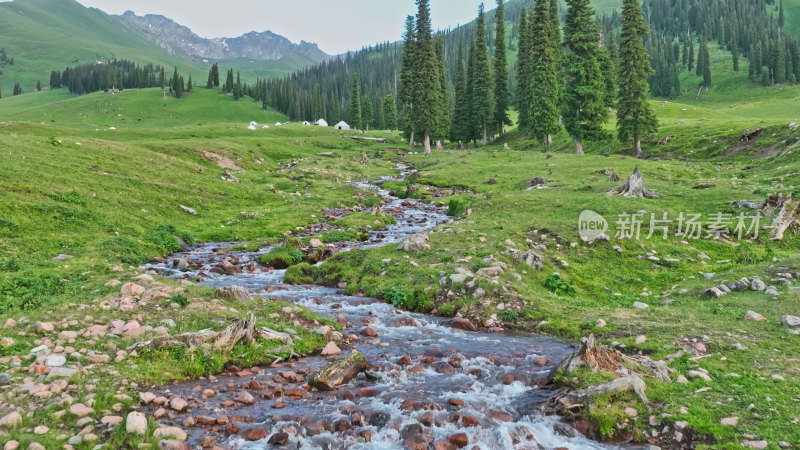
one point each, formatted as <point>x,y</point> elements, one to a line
<point>47,35</point>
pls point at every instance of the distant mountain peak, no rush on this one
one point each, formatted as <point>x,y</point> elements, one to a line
<point>179,40</point>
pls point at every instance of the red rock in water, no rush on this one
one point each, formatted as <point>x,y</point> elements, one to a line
<point>369,332</point>
<point>278,439</point>
<point>456,402</point>
<point>497,414</point>
<point>464,324</point>
<point>470,421</point>
<point>542,361</point>
<point>460,440</point>
<point>509,378</point>
<point>404,361</point>
<point>256,434</point>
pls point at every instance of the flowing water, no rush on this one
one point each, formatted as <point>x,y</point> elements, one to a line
<point>427,381</point>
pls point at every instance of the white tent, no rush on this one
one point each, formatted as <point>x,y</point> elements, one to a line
<point>306,123</point>
<point>342,126</point>
<point>253,126</point>
<point>321,123</point>
<point>278,124</point>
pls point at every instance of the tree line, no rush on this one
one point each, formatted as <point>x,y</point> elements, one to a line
<point>119,75</point>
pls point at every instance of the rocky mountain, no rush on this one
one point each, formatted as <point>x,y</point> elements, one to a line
<point>178,40</point>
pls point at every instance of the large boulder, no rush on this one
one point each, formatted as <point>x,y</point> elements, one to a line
<point>234,292</point>
<point>791,321</point>
<point>415,243</point>
<point>340,372</point>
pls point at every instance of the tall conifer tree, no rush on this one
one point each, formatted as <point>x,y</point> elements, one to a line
<point>524,69</point>
<point>583,106</point>
<point>390,113</point>
<point>427,100</point>
<point>355,105</point>
<point>501,94</point>
<point>635,117</point>
<point>405,92</point>
<point>544,77</point>
<point>459,125</point>
<point>482,102</point>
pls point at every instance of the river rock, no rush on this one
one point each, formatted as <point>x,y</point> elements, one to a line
<point>132,289</point>
<point>173,444</point>
<point>739,286</point>
<point>790,321</point>
<point>55,361</point>
<point>415,242</point>
<point>530,258</point>
<point>640,305</point>
<point>331,349</point>
<point>170,432</point>
<point>464,324</point>
<point>11,420</point>
<point>234,292</point>
<point>714,292</point>
<point>316,243</point>
<point>752,315</point>
<point>136,423</point>
<point>340,372</point>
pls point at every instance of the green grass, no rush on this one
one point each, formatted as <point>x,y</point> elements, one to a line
<point>72,185</point>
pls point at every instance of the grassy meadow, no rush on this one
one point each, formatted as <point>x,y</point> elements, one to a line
<point>102,178</point>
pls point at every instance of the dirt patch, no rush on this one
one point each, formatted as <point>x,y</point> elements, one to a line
<point>222,161</point>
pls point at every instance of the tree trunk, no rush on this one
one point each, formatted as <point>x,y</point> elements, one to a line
<point>485,135</point>
<point>341,372</point>
<point>460,145</point>
<point>411,142</point>
<point>439,145</point>
<point>634,187</point>
<point>549,141</point>
<point>427,143</point>
<point>637,145</point>
<point>578,147</point>
<point>392,134</point>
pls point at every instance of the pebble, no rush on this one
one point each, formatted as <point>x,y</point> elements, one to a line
<point>730,421</point>
<point>640,305</point>
<point>170,432</point>
<point>331,350</point>
<point>136,423</point>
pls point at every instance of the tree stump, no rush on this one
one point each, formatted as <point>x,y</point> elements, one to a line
<point>784,209</point>
<point>340,372</point>
<point>614,177</point>
<point>634,187</point>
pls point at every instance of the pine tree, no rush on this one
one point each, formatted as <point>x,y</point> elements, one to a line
<point>459,127</point>
<point>735,55</point>
<point>470,127</point>
<point>443,116</point>
<point>390,113</point>
<point>38,85</point>
<point>215,73</point>
<point>583,109</point>
<point>558,44</point>
<point>405,92</point>
<point>690,40</point>
<point>428,101</point>
<point>355,105</point>
<point>189,84</point>
<point>501,94</point>
<point>706,65</point>
<point>482,101</point>
<point>544,77</point>
<point>366,114</point>
<point>700,59</point>
<point>608,69</point>
<point>210,82</point>
<point>781,16</point>
<point>524,69</point>
<point>635,117</point>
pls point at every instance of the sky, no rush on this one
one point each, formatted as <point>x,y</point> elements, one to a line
<point>336,25</point>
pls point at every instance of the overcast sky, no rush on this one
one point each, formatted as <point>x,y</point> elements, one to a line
<point>336,25</point>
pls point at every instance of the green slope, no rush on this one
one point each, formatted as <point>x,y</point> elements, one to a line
<point>47,35</point>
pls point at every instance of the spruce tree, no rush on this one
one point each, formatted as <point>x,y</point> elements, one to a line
<point>609,77</point>
<point>701,61</point>
<point>38,85</point>
<point>556,41</point>
<point>390,113</point>
<point>405,91</point>
<point>735,55</point>
<point>210,82</point>
<point>690,41</point>
<point>215,73</point>
<point>366,114</point>
<point>428,102</point>
<point>482,102</point>
<point>355,106</point>
<point>635,117</point>
<point>189,84</point>
<point>471,129</point>
<point>524,69</point>
<point>706,65</point>
<point>443,116</point>
<point>583,106</point>
<point>544,110</point>
<point>781,16</point>
<point>501,94</point>
<point>459,127</point>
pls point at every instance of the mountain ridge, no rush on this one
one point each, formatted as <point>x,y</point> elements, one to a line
<point>180,40</point>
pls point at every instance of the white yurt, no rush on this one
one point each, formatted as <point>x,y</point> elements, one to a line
<point>342,126</point>
<point>321,123</point>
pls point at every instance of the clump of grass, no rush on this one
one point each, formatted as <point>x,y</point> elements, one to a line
<point>24,293</point>
<point>457,207</point>
<point>125,250</point>
<point>168,239</point>
<point>7,223</point>
<point>508,315</point>
<point>283,256</point>
<point>180,300</point>
<point>555,284</point>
